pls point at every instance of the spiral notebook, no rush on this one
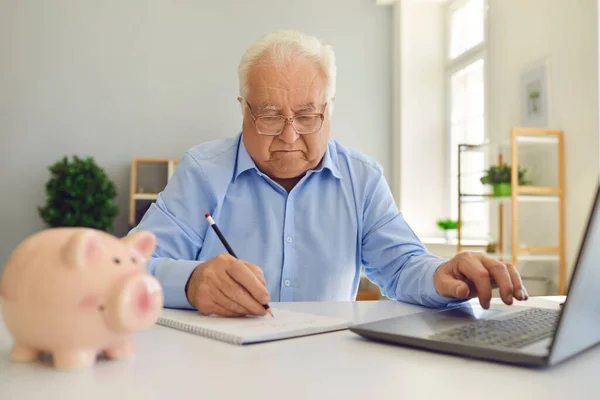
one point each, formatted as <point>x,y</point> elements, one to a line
<point>251,329</point>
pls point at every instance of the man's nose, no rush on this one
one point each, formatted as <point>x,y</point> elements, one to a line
<point>288,134</point>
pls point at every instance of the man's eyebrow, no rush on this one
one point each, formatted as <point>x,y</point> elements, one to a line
<point>268,107</point>
<point>310,106</point>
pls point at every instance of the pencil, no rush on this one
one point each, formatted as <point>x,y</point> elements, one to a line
<point>212,223</point>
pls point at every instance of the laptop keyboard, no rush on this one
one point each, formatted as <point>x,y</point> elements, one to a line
<point>518,330</point>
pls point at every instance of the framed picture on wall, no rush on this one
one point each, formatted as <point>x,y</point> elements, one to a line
<point>535,96</point>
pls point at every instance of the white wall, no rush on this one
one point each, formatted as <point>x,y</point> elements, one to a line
<point>521,32</point>
<point>422,115</point>
<point>116,79</point>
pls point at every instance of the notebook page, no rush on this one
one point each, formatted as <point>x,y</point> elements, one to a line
<point>252,329</point>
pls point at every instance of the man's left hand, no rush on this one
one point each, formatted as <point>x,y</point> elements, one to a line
<point>472,274</point>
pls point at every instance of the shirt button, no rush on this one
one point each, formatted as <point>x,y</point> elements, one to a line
<point>289,239</point>
<point>287,282</point>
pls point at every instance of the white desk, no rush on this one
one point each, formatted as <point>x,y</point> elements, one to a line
<point>171,365</point>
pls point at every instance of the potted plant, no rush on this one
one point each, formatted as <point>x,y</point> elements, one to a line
<point>447,225</point>
<point>491,248</point>
<point>79,193</point>
<point>499,176</point>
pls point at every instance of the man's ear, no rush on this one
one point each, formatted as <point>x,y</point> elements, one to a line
<point>241,101</point>
<point>82,249</point>
<point>330,108</point>
<point>144,242</point>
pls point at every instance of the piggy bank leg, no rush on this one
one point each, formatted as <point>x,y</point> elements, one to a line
<point>73,359</point>
<point>120,352</point>
<point>23,353</point>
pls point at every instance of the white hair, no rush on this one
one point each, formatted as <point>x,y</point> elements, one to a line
<point>283,45</point>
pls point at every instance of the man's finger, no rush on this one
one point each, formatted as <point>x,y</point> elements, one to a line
<point>243,275</point>
<point>209,303</point>
<point>224,295</point>
<point>519,289</point>
<point>238,294</point>
<point>449,286</point>
<point>472,289</point>
<point>218,310</point>
<point>258,272</point>
<point>461,289</point>
<point>473,269</point>
<point>499,274</point>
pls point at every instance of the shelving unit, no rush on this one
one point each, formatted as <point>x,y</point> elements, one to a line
<point>139,192</point>
<point>531,137</point>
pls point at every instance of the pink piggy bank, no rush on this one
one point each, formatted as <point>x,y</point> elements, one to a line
<point>77,292</point>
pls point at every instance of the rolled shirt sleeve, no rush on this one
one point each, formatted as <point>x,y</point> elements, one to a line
<point>174,219</point>
<point>393,256</point>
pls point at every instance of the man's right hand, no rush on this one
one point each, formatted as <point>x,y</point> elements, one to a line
<point>229,287</point>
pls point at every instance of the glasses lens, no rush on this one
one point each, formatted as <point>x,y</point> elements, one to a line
<point>273,125</point>
<point>307,123</point>
<point>269,125</point>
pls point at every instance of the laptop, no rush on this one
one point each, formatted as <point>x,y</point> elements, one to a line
<point>515,334</point>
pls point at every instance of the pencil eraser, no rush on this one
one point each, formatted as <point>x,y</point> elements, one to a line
<point>206,215</point>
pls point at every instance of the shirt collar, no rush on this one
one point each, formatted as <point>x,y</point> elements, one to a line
<point>330,162</point>
<point>244,162</point>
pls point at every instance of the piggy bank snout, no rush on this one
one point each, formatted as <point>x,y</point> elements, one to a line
<point>135,304</point>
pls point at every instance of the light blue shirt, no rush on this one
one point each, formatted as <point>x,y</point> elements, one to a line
<point>311,243</point>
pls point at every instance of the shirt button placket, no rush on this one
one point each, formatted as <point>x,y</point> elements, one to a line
<point>287,273</point>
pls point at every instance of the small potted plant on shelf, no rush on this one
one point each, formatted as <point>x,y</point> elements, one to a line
<point>491,248</point>
<point>499,177</point>
<point>447,225</point>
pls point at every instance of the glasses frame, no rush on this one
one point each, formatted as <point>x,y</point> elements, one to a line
<point>287,120</point>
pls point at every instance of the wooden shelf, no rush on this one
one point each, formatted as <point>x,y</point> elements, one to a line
<point>145,196</point>
<point>539,249</point>
<point>527,137</point>
<point>453,242</point>
<point>522,139</point>
<point>538,190</point>
<point>529,257</point>
<point>537,140</point>
<point>473,198</point>
<point>137,193</point>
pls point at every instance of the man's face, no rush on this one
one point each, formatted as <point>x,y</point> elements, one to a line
<point>289,89</point>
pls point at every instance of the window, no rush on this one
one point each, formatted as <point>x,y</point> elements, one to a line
<point>466,26</point>
<point>465,75</point>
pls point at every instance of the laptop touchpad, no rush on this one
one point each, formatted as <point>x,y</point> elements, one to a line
<point>429,322</point>
<point>469,312</point>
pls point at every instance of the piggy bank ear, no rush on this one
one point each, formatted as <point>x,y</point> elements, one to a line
<point>82,249</point>
<point>143,242</point>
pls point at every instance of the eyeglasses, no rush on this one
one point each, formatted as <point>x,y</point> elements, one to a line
<point>273,125</point>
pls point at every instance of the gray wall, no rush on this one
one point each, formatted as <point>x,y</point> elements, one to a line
<point>116,79</point>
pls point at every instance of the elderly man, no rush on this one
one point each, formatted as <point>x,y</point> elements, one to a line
<point>303,213</point>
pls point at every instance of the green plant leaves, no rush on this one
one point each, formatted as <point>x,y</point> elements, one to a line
<point>79,193</point>
<point>502,174</point>
<point>446,224</point>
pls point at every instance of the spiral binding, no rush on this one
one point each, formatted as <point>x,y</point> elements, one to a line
<point>205,332</point>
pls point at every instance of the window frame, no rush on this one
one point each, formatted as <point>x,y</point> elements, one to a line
<point>453,65</point>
